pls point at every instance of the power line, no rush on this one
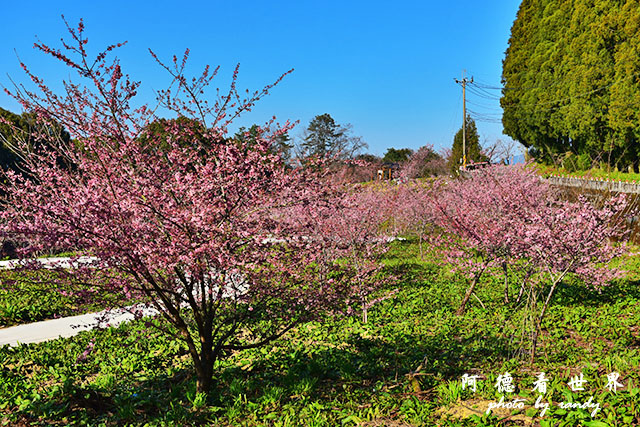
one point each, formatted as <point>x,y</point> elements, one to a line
<point>489,114</point>
<point>544,106</point>
<point>492,108</point>
<point>483,95</point>
<point>454,117</point>
<point>483,88</point>
<point>487,118</point>
<point>555,81</point>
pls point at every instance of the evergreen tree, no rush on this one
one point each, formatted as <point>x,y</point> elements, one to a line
<point>324,137</point>
<point>26,132</point>
<point>281,143</point>
<point>8,122</point>
<point>321,135</point>
<point>572,79</point>
<point>473,148</point>
<point>394,155</point>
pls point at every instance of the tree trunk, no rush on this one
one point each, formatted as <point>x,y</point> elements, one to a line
<point>204,372</point>
<point>204,381</point>
<point>469,292</point>
<point>463,305</point>
<point>203,360</point>
<point>523,286</point>
<point>536,331</point>
<point>521,291</point>
<point>365,316</point>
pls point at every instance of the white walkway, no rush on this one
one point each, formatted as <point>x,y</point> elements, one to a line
<point>53,262</point>
<point>70,326</point>
<point>65,327</point>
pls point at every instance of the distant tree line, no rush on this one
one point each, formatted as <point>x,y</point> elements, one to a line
<point>571,81</point>
<point>323,137</point>
<point>12,127</point>
<point>20,133</point>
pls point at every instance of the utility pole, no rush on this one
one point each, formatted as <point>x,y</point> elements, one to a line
<point>464,83</point>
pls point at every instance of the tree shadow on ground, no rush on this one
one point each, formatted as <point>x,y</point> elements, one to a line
<point>157,400</point>
<point>363,363</point>
<point>576,293</point>
<point>347,359</point>
<point>360,366</point>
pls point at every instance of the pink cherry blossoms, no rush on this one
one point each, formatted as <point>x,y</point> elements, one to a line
<point>218,235</point>
<point>507,217</point>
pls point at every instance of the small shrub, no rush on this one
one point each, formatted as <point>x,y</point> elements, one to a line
<point>570,163</point>
<point>583,162</point>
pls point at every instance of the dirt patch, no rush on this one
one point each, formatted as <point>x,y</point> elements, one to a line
<point>385,422</point>
<point>467,408</point>
<point>580,342</point>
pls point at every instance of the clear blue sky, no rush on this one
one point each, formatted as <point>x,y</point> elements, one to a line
<point>385,67</point>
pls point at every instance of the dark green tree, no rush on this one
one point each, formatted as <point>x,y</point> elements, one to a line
<point>473,148</point>
<point>571,79</point>
<point>10,123</point>
<point>394,155</point>
<point>191,133</point>
<point>23,133</point>
<point>282,143</point>
<point>370,158</point>
<point>324,137</point>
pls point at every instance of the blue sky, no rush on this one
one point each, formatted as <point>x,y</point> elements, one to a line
<point>385,67</point>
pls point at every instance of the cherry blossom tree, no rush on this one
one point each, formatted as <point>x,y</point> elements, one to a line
<point>413,209</point>
<point>424,163</point>
<point>571,237</point>
<point>180,215</point>
<point>356,231</point>
<point>484,213</point>
<point>506,217</point>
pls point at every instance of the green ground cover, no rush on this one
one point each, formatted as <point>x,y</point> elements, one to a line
<point>35,296</point>
<point>403,368</point>
<point>594,173</point>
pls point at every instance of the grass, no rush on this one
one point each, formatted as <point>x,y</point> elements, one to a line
<point>594,173</point>
<point>403,368</point>
<point>27,297</point>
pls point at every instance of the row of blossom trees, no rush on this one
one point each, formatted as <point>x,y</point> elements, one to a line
<point>507,218</point>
